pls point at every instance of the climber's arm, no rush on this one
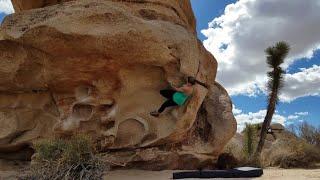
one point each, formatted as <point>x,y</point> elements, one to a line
<point>177,89</point>
<point>184,89</point>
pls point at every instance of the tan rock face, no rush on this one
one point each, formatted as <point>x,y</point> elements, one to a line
<point>21,5</point>
<point>96,67</point>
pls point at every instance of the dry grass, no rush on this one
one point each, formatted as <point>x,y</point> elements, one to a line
<point>293,153</point>
<point>307,132</point>
<point>74,158</point>
<point>303,151</point>
<point>287,152</point>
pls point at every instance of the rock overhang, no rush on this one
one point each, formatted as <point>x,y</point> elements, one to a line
<point>102,64</point>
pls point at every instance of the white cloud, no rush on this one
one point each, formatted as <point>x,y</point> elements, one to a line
<point>304,83</point>
<point>293,117</point>
<point>258,117</point>
<point>302,113</point>
<point>239,37</point>
<point>6,7</point>
<point>236,111</point>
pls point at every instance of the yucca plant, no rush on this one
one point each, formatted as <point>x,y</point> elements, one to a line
<point>249,140</point>
<point>275,57</point>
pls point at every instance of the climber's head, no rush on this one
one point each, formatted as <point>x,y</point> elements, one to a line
<point>191,81</point>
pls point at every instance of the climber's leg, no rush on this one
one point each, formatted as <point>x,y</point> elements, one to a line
<point>166,104</point>
<point>167,93</point>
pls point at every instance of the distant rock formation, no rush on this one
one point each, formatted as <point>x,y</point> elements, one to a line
<point>280,144</point>
<point>96,67</point>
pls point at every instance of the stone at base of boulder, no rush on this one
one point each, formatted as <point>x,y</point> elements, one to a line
<point>156,159</point>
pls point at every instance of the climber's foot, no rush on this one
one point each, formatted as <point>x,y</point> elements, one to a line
<point>155,113</point>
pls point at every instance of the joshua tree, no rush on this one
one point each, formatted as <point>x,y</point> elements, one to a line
<point>275,57</point>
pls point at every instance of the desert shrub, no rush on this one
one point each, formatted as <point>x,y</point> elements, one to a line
<point>241,148</point>
<point>78,149</point>
<point>309,133</point>
<point>287,151</point>
<point>49,149</point>
<point>73,158</point>
<point>292,153</point>
<point>250,140</point>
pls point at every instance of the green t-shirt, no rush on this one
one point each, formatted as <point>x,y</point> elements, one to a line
<point>180,98</point>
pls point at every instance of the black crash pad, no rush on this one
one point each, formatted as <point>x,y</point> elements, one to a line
<point>242,172</point>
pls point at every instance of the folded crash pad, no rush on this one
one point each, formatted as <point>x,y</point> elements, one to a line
<point>242,172</point>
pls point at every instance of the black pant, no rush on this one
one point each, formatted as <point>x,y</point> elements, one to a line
<point>167,93</point>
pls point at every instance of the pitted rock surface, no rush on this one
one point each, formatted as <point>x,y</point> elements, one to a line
<point>96,67</point>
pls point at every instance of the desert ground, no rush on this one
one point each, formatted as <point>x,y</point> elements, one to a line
<point>269,173</point>
<point>10,170</point>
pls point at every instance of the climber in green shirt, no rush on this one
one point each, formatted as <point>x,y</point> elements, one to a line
<point>176,96</point>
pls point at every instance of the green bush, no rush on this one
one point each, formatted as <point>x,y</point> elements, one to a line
<point>49,149</point>
<point>78,150</point>
<point>243,147</point>
<point>250,140</point>
<point>72,158</point>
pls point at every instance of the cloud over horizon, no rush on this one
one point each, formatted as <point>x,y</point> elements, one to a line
<point>258,117</point>
<point>239,37</point>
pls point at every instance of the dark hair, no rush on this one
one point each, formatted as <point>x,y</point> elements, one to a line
<point>193,81</point>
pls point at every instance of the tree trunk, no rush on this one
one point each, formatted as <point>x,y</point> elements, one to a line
<point>266,123</point>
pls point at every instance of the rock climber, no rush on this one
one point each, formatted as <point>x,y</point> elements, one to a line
<point>176,96</point>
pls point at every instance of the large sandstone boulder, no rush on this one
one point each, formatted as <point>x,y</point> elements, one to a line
<point>96,67</point>
<point>21,5</point>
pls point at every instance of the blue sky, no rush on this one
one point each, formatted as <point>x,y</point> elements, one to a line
<point>1,16</point>
<point>305,108</point>
<point>237,32</point>
<point>206,10</point>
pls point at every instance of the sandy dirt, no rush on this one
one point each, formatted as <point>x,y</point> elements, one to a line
<point>270,173</point>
